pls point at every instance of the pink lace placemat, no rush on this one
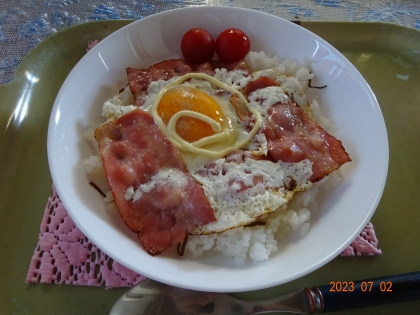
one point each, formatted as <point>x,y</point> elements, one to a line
<point>64,255</point>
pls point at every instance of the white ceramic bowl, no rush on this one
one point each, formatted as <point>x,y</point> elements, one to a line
<point>348,101</point>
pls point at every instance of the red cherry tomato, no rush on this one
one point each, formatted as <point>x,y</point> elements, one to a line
<point>232,45</point>
<point>197,45</point>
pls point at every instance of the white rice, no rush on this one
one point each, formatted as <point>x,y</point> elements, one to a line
<point>259,242</point>
<point>93,165</point>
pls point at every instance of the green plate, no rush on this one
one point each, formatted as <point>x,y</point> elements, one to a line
<point>388,56</point>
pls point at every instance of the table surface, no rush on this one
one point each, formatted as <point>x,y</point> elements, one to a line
<point>24,24</point>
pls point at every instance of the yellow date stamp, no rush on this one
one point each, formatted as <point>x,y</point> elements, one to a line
<point>363,286</point>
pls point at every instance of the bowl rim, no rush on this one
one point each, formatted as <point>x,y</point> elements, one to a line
<point>229,287</point>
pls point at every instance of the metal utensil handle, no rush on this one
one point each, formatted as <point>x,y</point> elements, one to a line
<point>340,295</point>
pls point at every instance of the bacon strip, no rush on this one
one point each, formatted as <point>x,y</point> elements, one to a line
<point>260,83</point>
<point>133,149</point>
<point>292,136</point>
<point>240,107</point>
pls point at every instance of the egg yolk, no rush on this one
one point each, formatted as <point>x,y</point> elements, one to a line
<point>186,98</point>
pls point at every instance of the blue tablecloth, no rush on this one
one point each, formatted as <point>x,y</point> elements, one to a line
<point>24,23</point>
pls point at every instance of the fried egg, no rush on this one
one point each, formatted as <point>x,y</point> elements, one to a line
<point>197,117</point>
<point>195,114</point>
